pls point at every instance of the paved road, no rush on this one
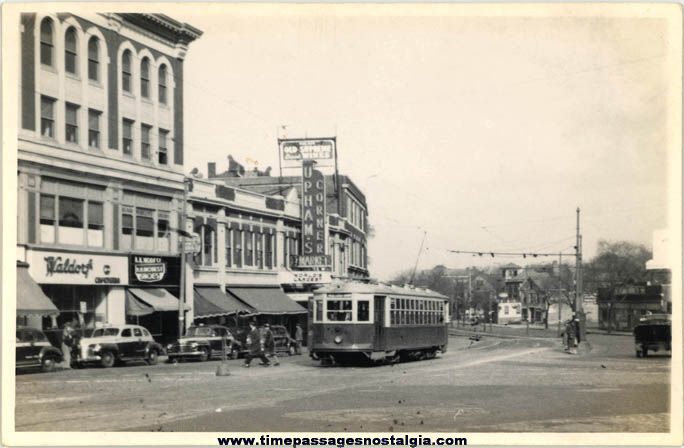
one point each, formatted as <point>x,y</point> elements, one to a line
<point>490,386</point>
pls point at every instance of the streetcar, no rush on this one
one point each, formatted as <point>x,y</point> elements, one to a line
<point>354,321</point>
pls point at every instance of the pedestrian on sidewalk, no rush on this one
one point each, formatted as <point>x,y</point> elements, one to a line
<point>67,344</point>
<point>299,337</point>
<point>569,337</point>
<point>255,345</point>
<point>269,345</point>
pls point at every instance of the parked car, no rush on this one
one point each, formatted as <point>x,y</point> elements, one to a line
<point>653,334</point>
<point>34,350</point>
<point>283,342</point>
<point>203,342</point>
<point>111,344</point>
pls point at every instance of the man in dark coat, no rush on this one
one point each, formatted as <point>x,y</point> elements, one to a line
<point>269,344</point>
<point>255,345</point>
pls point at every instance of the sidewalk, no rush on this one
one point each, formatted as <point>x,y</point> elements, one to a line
<point>521,331</point>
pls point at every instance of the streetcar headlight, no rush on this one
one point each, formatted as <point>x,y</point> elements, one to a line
<point>338,339</point>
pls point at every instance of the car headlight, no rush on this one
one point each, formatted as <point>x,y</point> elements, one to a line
<point>193,345</point>
<point>169,346</point>
<point>338,339</point>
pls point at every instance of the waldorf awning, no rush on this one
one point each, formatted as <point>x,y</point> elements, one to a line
<point>140,302</point>
<point>267,300</point>
<point>211,301</point>
<point>31,301</point>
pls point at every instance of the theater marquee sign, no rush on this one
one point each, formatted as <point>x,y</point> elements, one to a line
<point>68,268</point>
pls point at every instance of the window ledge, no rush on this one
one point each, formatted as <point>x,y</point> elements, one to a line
<point>147,101</point>
<point>127,94</point>
<point>95,83</point>
<point>72,76</point>
<point>48,68</point>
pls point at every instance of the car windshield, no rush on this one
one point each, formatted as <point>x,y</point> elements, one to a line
<point>100,332</point>
<point>199,331</point>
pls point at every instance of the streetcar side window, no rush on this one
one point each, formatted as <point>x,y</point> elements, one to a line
<point>393,311</point>
<point>319,310</point>
<point>339,310</point>
<point>363,311</point>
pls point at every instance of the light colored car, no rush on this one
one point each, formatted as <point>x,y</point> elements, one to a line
<point>111,344</point>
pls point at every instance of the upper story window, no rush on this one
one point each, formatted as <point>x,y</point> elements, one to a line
<point>145,131</point>
<point>71,129</point>
<point>94,128</point>
<point>94,59</point>
<point>144,228</point>
<point>162,84</point>
<point>71,227</point>
<point>145,78</point>
<point>70,50</point>
<point>126,71</point>
<point>46,42</point>
<point>237,247</point>
<point>163,151</point>
<point>127,137</point>
<point>47,116</point>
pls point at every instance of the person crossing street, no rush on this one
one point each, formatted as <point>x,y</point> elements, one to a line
<point>269,344</point>
<point>255,345</point>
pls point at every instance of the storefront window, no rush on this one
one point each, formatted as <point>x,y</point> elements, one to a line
<point>339,310</point>
<point>70,221</point>
<point>144,229</point>
<point>47,219</point>
<point>95,224</point>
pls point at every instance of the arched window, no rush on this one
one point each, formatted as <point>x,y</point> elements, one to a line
<point>70,53</point>
<point>145,78</point>
<point>93,59</point>
<point>162,84</point>
<point>126,71</point>
<point>46,42</point>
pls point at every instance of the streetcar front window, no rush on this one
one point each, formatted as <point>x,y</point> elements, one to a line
<point>363,311</point>
<point>339,310</point>
<point>319,310</point>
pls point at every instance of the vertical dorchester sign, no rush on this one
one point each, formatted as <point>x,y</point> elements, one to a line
<point>313,218</point>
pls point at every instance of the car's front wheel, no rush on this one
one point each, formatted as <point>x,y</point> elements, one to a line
<point>152,357</point>
<point>204,354</point>
<point>48,364</point>
<point>292,350</point>
<point>107,359</point>
<point>234,353</point>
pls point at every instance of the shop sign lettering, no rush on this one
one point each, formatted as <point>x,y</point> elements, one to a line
<point>149,269</point>
<point>313,215</point>
<point>57,265</point>
<point>54,267</point>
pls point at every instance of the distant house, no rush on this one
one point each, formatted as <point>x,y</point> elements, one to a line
<point>510,304</point>
<point>535,291</point>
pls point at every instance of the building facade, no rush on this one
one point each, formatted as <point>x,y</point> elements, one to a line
<point>100,164</point>
<point>346,222</point>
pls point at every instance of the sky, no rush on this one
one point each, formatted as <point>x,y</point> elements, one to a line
<point>475,132</point>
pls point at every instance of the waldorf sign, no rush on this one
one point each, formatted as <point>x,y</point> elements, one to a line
<point>69,268</point>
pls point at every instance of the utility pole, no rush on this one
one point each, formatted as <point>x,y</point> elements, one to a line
<point>181,226</point>
<point>560,291</point>
<point>579,293</point>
